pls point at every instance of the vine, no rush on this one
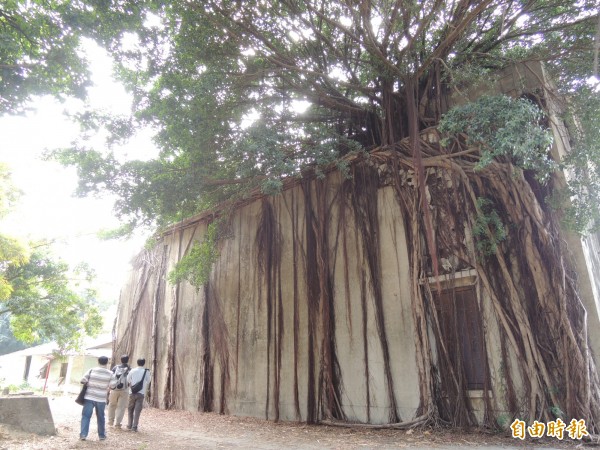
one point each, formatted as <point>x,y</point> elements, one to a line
<point>195,267</point>
<point>488,229</point>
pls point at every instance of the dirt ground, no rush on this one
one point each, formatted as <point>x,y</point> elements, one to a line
<point>168,430</point>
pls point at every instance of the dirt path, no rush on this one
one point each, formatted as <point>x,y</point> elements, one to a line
<point>167,430</point>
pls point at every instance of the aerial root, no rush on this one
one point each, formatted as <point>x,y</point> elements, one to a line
<point>420,421</point>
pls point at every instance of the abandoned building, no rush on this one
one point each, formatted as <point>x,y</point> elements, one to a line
<point>326,303</point>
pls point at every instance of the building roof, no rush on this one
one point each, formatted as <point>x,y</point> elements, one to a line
<point>91,346</point>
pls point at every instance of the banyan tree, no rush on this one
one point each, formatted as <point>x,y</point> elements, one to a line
<point>369,210</point>
<point>340,300</point>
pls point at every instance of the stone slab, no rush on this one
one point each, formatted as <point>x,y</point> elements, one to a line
<point>29,413</point>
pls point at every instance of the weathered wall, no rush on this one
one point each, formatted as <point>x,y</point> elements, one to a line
<point>267,354</point>
<point>311,310</point>
<point>321,304</point>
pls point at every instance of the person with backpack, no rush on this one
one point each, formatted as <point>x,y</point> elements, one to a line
<point>119,393</point>
<point>139,380</point>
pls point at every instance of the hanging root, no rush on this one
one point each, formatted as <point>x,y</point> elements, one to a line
<point>526,285</point>
<point>532,295</point>
<point>421,421</point>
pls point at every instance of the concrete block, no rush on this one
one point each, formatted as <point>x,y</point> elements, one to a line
<point>29,413</point>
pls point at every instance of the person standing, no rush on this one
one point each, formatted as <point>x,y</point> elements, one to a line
<point>136,399</point>
<point>119,393</point>
<point>97,380</point>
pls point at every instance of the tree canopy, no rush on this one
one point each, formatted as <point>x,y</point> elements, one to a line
<point>45,303</point>
<point>12,251</point>
<point>43,299</point>
<point>39,51</point>
<point>243,93</point>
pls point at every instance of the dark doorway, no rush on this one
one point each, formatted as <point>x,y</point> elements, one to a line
<point>460,323</point>
<point>27,367</point>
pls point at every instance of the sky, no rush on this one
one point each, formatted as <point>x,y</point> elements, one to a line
<point>47,208</point>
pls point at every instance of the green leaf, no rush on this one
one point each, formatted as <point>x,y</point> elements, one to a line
<point>195,267</point>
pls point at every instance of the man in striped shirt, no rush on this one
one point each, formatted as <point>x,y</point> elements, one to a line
<point>97,380</point>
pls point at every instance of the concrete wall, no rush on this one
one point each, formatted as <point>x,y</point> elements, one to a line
<point>246,344</point>
<point>31,414</point>
<point>253,361</point>
<point>265,341</point>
